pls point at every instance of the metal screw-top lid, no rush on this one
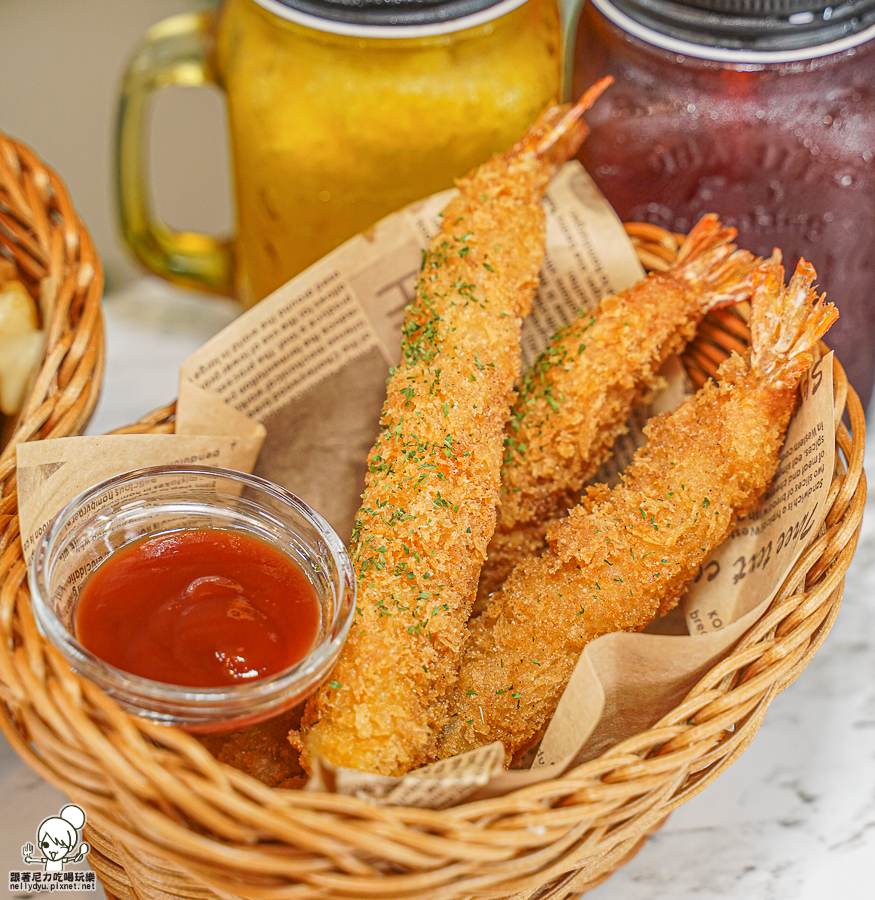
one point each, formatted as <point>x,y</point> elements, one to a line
<point>759,7</point>
<point>761,25</point>
<point>388,12</point>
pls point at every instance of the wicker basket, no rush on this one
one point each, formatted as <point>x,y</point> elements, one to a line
<point>168,821</point>
<point>55,259</point>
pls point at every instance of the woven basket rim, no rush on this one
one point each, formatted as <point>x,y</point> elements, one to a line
<point>171,818</point>
<point>56,258</point>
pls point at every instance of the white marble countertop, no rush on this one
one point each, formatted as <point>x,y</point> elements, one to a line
<point>793,819</point>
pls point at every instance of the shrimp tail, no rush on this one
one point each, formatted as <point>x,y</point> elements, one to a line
<point>786,322</point>
<point>564,131</point>
<point>710,262</point>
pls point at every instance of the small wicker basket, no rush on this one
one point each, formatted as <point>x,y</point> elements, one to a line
<point>168,821</point>
<point>55,259</point>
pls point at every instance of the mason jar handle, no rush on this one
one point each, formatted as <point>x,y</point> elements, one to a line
<point>173,52</point>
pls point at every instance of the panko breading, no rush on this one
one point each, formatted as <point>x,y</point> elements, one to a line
<point>577,397</point>
<point>428,508</point>
<point>625,555</point>
<point>262,751</point>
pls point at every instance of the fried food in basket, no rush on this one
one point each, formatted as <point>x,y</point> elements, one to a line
<point>21,341</point>
<point>262,751</point>
<point>624,555</point>
<point>577,397</point>
<point>428,508</point>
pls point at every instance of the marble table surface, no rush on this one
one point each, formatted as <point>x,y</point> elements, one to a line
<point>793,819</point>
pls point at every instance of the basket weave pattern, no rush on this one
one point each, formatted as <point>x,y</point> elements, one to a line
<point>168,821</point>
<point>56,260</point>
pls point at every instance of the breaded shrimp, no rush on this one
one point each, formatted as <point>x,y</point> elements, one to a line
<point>428,508</point>
<point>577,397</point>
<point>262,750</point>
<point>625,555</point>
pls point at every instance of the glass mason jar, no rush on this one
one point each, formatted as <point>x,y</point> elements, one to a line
<point>763,113</point>
<point>339,113</point>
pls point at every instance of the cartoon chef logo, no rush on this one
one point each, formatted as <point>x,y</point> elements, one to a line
<point>56,839</point>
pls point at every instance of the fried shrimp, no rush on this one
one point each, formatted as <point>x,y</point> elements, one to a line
<point>428,508</point>
<point>575,400</point>
<point>624,555</point>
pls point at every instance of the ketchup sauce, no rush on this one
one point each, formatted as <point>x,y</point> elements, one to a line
<point>198,608</point>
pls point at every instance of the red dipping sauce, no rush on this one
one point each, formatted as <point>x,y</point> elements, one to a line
<point>198,608</point>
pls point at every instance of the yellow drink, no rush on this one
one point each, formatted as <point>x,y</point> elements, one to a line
<point>332,125</point>
<point>330,132</point>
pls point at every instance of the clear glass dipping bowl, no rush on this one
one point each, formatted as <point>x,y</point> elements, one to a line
<point>165,499</point>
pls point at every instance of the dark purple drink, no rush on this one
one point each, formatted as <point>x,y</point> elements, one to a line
<point>774,133</point>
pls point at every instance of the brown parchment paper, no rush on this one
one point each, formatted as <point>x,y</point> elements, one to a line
<point>302,375</point>
<point>51,473</point>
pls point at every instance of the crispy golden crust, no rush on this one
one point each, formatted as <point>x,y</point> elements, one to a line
<point>428,509</point>
<point>262,751</point>
<point>626,554</point>
<point>575,400</point>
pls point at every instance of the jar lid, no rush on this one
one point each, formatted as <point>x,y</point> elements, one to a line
<point>762,25</point>
<point>388,12</point>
